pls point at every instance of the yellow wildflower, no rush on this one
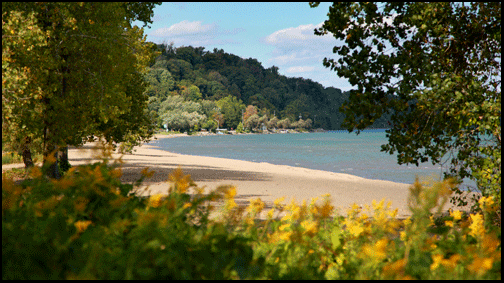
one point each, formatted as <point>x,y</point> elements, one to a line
<point>480,265</point>
<point>449,223</point>
<point>451,263</point>
<point>199,190</point>
<point>270,213</point>
<point>477,227</point>
<point>181,181</point>
<point>394,268</point>
<point>286,217</point>
<point>437,261</point>
<point>430,243</point>
<point>313,201</point>
<point>326,209</point>
<point>284,226</point>
<point>155,200</point>
<point>407,221</point>
<point>490,243</point>
<point>230,193</point>
<point>256,206</point>
<point>355,229</point>
<point>378,206</point>
<point>431,220</point>
<point>356,207</point>
<point>363,217</point>
<point>230,204</point>
<point>81,226</point>
<point>187,205</point>
<point>403,235</point>
<point>457,214</point>
<point>310,227</point>
<point>296,213</point>
<point>249,221</point>
<point>278,201</point>
<point>376,252</point>
<point>487,204</point>
<point>285,235</point>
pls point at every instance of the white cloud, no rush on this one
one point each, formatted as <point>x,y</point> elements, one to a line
<point>299,35</point>
<point>185,28</point>
<point>195,33</point>
<point>300,69</point>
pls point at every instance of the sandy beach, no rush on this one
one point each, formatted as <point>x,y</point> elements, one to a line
<point>252,180</point>
<point>255,180</point>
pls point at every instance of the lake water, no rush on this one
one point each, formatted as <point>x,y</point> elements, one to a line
<point>339,152</point>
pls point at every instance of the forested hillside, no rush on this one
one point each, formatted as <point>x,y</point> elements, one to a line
<point>191,88</point>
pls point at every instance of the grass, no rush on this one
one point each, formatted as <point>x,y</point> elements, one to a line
<point>11,157</point>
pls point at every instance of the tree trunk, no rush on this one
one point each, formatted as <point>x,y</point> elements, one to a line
<point>52,169</point>
<point>63,160</point>
<point>26,153</point>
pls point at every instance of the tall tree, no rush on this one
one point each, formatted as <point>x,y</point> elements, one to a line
<point>231,108</point>
<point>437,68</point>
<point>88,74</point>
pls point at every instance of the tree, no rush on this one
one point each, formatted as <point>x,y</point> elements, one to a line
<point>308,124</point>
<point>249,111</point>
<point>436,68</point>
<point>192,93</point>
<point>284,123</point>
<point>239,128</point>
<point>273,123</point>
<point>83,68</point>
<point>20,106</point>
<point>252,122</point>
<point>231,108</point>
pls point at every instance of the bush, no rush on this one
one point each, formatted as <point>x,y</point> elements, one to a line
<point>239,128</point>
<point>90,225</point>
<point>11,157</point>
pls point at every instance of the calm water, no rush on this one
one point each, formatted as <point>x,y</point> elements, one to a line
<point>339,152</point>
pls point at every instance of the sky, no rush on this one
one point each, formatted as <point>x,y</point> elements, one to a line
<point>274,33</point>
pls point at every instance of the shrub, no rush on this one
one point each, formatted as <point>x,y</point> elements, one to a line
<point>90,225</point>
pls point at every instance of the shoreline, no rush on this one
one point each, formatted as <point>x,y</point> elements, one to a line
<point>255,180</point>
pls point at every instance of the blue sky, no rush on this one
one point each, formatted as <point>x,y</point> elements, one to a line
<point>279,34</point>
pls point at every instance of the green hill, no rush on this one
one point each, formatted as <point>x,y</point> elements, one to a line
<point>189,86</point>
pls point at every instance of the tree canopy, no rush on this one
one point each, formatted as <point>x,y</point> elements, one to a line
<point>200,75</point>
<point>71,70</point>
<point>436,67</point>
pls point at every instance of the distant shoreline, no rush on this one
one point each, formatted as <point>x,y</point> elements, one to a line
<point>289,131</point>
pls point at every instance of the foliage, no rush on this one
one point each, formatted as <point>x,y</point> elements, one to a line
<point>231,108</point>
<point>239,128</point>
<point>218,74</point>
<point>80,66</point>
<point>434,66</point>
<point>11,157</point>
<point>89,225</point>
<point>252,122</point>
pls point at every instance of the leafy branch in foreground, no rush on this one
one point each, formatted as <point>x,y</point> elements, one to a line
<point>437,68</point>
<point>89,225</point>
